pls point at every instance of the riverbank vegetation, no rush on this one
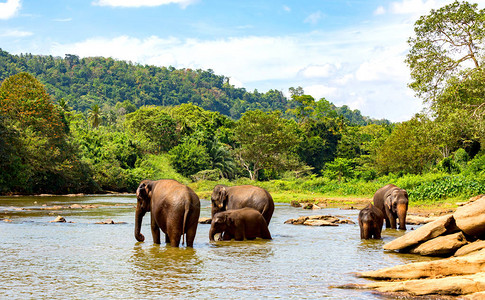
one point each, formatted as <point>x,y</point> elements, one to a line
<point>87,125</point>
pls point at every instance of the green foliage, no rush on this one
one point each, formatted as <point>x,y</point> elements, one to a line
<point>408,149</point>
<point>448,187</point>
<point>340,168</point>
<point>447,41</point>
<point>153,127</point>
<point>265,141</point>
<point>189,157</point>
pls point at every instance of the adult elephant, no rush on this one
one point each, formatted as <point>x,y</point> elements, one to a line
<point>174,208</point>
<point>245,223</point>
<point>226,198</point>
<point>370,222</point>
<point>393,202</point>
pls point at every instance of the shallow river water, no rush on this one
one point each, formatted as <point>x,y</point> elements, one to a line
<point>85,260</point>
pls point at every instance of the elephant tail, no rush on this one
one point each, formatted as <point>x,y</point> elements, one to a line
<point>187,208</point>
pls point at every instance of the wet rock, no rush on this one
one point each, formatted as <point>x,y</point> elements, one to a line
<point>55,207</point>
<point>59,219</point>
<point>470,218</point>
<point>307,205</point>
<point>463,265</point>
<point>424,233</point>
<point>318,220</point>
<point>319,223</point>
<point>441,246</point>
<point>418,220</point>
<point>107,221</point>
<point>7,220</point>
<point>76,206</point>
<point>474,296</point>
<point>345,221</point>
<point>453,285</point>
<point>470,248</point>
<point>295,203</point>
<point>205,220</point>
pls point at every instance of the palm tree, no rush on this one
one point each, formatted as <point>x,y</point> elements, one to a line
<point>94,116</point>
<point>221,158</point>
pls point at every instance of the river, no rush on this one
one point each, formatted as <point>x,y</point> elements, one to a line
<point>85,260</point>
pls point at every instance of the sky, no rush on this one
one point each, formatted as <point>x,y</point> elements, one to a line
<point>348,52</point>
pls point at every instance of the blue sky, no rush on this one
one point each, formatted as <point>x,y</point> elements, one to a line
<point>350,52</point>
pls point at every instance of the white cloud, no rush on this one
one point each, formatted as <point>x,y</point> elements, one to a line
<point>380,11</point>
<point>286,8</point>
<point>317,71</point>
<point>314,18</point>
<point>319,91</point>
<point>9,9</point>
<point>15,33</point>
<point>63,20</point>
<point>141,3</point>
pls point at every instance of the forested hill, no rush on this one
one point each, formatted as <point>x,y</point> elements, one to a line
<point>83,82</point>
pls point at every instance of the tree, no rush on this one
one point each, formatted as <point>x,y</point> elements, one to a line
<point>449,42</point>
<point>39,157</point>
<point>409,148</point>
<point>189,157</point>
<point>94,116</point>
<point>265,141</point>
<point>154,127</point>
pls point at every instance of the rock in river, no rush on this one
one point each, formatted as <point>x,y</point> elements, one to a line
<point>318,220</point>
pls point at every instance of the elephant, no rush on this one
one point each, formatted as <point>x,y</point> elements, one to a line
<point>174,208</point>
<point>244,223</point>
<point>226,198</point>
<point>393,202</point>
<point>370,221</point>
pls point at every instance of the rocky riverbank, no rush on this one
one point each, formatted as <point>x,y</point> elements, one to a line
<point>459,238</point>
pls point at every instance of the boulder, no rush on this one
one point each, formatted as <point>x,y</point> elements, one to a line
<point>474,296</point>
<point>444,245</point>
<point>424,233</point>
<point>205,220</point>
<point>318,220</point>
<point>59,219</point>
<point>76,206</point>
<point>470,218</point>
<point>463,265</point>
<point>418,220</point>
<point>311,222</point>
<point>453,285</point>
<point>470,248</point>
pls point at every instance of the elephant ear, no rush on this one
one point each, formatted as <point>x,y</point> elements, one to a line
<point>223,195</point>
<point>388,201</point>
<point>144,191</point>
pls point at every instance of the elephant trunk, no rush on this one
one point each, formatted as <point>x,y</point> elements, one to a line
<point>138,220</point>
<point>212,233</point>
<point>401,214</point>
<point>365,231</point>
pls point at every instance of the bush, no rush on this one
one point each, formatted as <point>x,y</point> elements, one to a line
<point>189,157</point>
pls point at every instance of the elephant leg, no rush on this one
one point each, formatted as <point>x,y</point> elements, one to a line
<point>155,232</point>
<point>175,236</point>
<point>392,220</point>
<point>239,235</point>
<point>191,235</point>
<point>377,233</point>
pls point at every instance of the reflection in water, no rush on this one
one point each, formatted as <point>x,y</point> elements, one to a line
<point>39,259</point>
<point>164,270</point>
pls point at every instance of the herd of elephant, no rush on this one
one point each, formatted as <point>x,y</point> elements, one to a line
<point>240,212</point>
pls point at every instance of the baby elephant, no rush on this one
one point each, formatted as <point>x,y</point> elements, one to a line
<point>245,223</point>
<point>370,221</point>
